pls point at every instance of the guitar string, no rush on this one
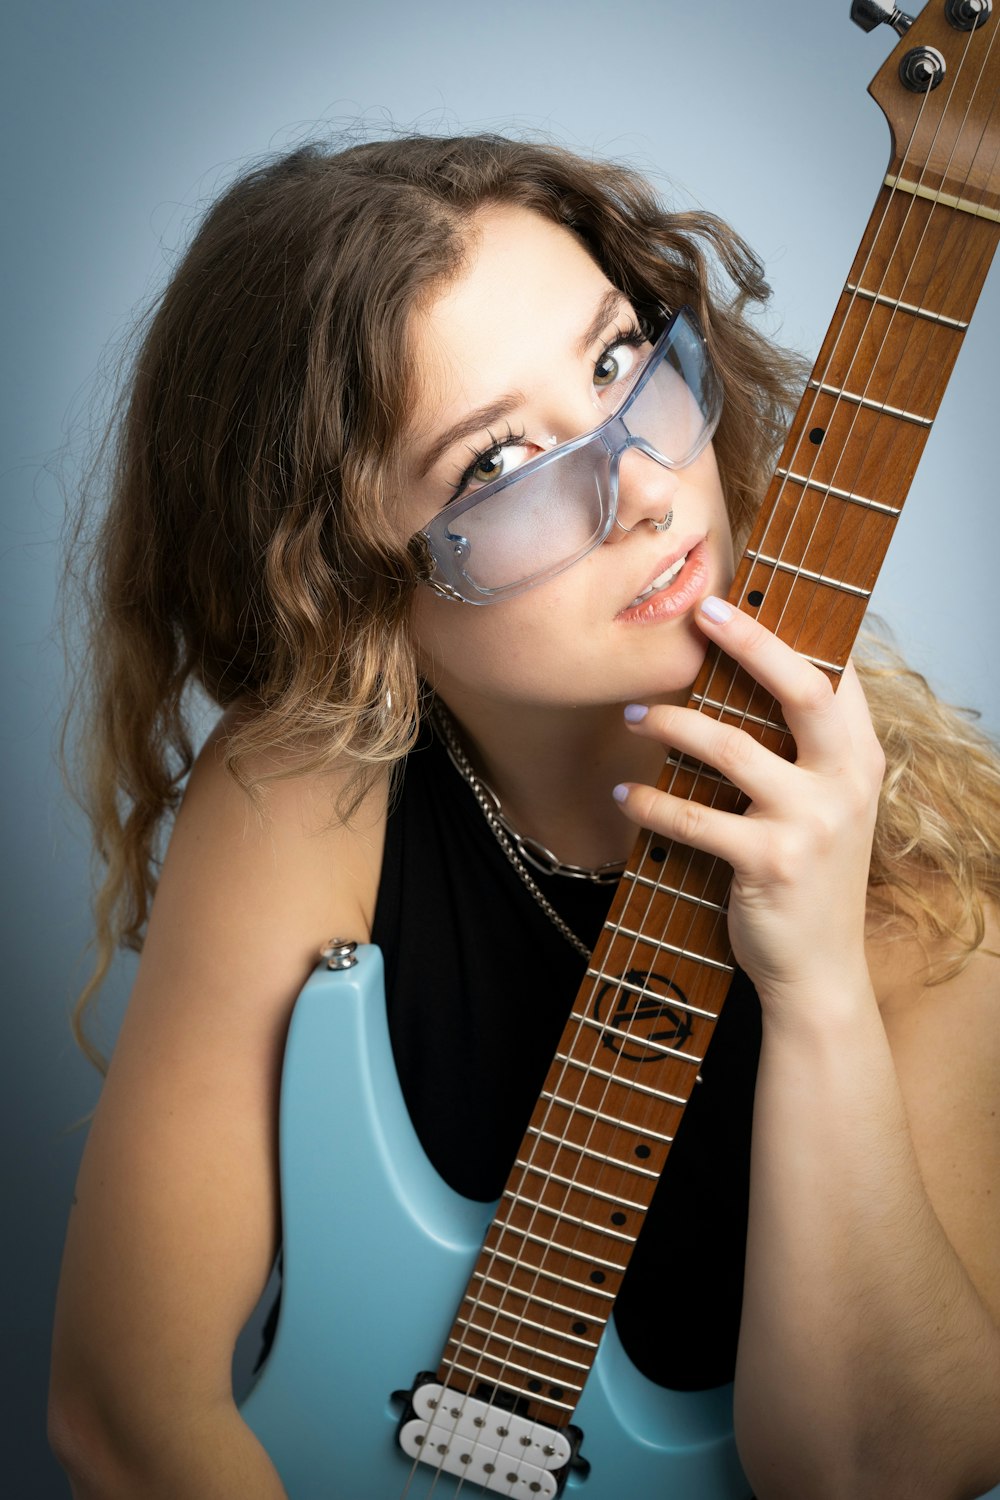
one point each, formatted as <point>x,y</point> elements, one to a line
<point>853,298</point>
<point>883,344</point>
<point>912,333</point>
<point>908,337</point>
<point>565,1196</point>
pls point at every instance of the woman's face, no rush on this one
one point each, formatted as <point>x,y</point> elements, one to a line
<point>525,349</point>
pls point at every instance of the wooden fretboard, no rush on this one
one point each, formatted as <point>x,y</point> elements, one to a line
<point>628,1059</point>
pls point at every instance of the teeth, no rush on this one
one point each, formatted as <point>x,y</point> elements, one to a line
<point>660,582</point>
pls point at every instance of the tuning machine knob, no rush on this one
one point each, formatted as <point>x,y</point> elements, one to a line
<point>871,13</point>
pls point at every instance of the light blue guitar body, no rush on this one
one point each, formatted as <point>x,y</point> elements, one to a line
<point>377,1255</point>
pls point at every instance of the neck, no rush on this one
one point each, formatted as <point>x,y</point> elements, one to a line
<point>553,771</point>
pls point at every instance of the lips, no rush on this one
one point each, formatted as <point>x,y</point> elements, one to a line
<point>667,571</point>
<point>676,586</point>
<point>660,582</point>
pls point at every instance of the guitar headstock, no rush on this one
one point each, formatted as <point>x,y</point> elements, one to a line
<point>940,91</point>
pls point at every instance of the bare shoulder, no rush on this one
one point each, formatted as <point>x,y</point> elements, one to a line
<point>945,1041</point>
<point>280,865</point>
<point>183,1146</point>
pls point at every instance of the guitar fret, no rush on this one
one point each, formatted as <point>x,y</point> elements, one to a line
<point>569,1406</point>
<point>636,989</point>
<point>865,401</point>
<point>547,1304</point>
<point>560,1213</point>
<point>817,661</point>
<point>618,1199</point>
<point>523,1322</point>
<point>613,1077</point>
<point>678,952</point>
<point>797,572</point>
<point>945,200</point>
<point>739,713</point>
<point>838,494</point>
<point>907,307</point>
<point>673,890</point>
<point>550,1244</point>
<point>597,1114</point>
<point>511,1343</point>
<point>605,1160</point>
<point>581,1286</point>
<point>697,770</point>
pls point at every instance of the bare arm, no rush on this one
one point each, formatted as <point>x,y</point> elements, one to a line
<point>176,1220</point>
<point>869,1353</point>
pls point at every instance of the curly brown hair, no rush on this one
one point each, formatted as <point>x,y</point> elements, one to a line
<point>243,548</point>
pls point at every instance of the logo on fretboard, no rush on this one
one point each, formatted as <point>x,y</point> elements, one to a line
<point>632,1019</point>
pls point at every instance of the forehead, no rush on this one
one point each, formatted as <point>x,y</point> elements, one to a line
<point>527,290</point>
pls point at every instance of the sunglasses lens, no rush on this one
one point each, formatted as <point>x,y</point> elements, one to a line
<point>533,526</point>
<point>678,408</point>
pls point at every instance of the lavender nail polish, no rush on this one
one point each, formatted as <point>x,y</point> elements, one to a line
<point>716,609</point>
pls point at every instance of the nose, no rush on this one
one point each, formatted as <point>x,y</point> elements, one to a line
<point>645,492</point>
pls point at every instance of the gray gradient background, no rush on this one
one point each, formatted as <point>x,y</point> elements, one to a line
<point>123,119</point>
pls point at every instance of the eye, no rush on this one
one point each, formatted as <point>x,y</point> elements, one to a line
<point>621,359</point>
<point>493,463</point>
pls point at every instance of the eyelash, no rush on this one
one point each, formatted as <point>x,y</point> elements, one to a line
<point>635,335</point>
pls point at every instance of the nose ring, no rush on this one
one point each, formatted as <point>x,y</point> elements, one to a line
<point>663,525</point>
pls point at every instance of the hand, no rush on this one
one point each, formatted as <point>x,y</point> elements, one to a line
<point>801,851</point>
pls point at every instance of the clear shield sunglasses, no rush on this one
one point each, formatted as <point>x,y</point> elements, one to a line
<point>526,527</point>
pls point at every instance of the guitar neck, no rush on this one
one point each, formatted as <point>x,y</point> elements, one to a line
<point>628,1059</point>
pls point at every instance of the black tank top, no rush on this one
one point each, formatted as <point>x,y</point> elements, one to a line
<point>478,986</point>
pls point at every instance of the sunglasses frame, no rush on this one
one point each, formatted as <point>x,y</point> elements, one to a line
<point>442,548</point>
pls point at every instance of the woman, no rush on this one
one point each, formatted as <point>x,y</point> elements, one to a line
<point>353,344</point>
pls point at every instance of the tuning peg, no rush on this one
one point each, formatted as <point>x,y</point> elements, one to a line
<point>871,13</point>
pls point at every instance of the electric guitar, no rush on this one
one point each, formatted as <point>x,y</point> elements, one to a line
<point>428,1343</point>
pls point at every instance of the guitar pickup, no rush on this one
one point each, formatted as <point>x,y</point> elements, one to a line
<point>484,1444</point>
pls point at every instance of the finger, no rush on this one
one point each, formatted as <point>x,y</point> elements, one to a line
<point>805,694</point>
<point>724,834</point>
<point>731,751</point>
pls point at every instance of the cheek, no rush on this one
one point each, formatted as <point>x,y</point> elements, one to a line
<point>489,646</point>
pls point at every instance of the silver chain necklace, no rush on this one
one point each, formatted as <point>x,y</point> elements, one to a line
<point>516,846</point>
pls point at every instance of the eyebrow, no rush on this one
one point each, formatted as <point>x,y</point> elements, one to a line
<point>485,416</point>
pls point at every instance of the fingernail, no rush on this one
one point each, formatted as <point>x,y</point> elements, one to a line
<point>716,609</point>
<point>635,713</point>
<point>620,792</point>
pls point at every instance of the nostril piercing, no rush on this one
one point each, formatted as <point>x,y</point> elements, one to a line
<point>663,525</point>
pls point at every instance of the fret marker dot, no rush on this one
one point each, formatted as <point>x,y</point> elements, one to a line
<point>642,1151</point>
<point>579,1328</point>
<point>556,1392</point>
<point>618,1218</point>
<point>755,597</point>
<point>658,854</point>
<point>534,1386</point>
<point>597,1277</point>
<point>817,435</point>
